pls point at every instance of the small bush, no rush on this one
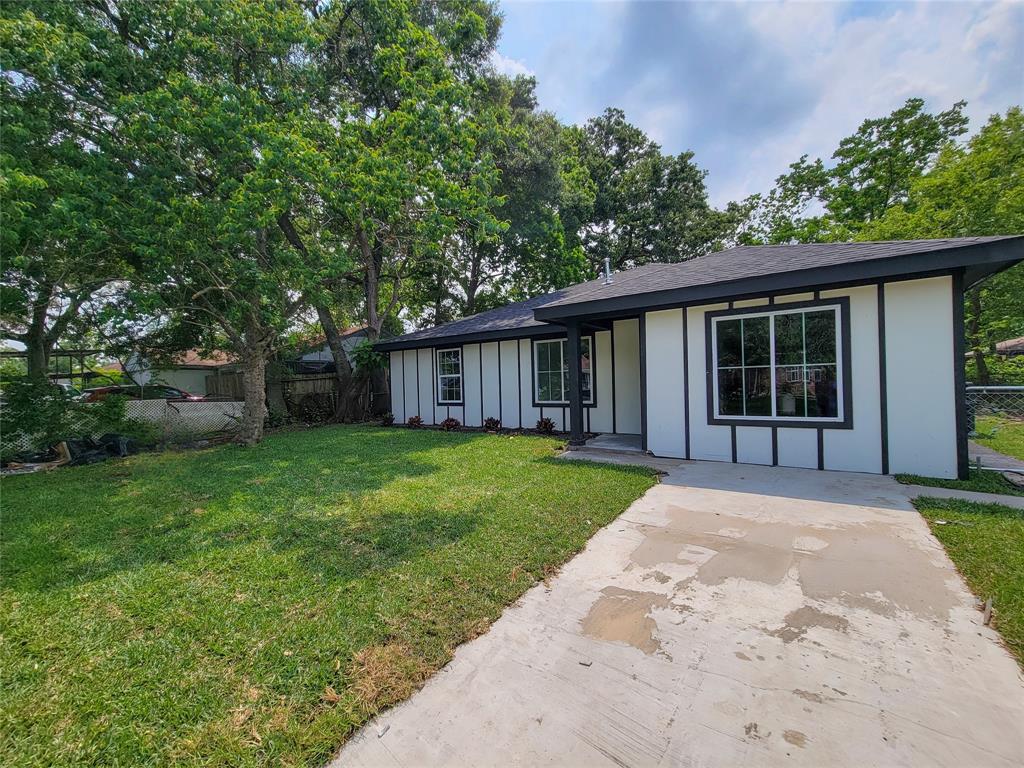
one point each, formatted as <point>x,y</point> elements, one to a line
<point>387,419</point>
<point>545,425</point>
<point>451,424</point>
<point>414,422</point>
<point>492,424</point>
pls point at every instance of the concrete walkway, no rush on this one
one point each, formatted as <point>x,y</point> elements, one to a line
<point>735,615</point>
<point>1017,502</point>
<point>989,458</point>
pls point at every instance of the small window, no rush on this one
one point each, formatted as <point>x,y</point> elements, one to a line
<point>449,376</point>
<point>782,365</point>
<point>551,371</point>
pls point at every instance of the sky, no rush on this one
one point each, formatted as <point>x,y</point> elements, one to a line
<point>749,87</point>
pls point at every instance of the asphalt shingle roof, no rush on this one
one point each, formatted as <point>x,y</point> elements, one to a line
<point>725,268</point>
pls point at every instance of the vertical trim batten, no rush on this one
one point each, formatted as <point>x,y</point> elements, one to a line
<point>883,395</point>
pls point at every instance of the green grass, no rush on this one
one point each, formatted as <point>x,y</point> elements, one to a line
<point>986,541</point>
<point>982,481</point>
<point>1000,434</point>
<point>253,607</point>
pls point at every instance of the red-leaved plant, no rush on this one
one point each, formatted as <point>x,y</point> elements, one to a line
<point>545,425</point>
<point>414,422</point>
<point>451,424</point>
<point>492,424</point>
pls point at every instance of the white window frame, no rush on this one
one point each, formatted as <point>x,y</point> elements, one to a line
<point>562,352</point>
<point>841,341</point>
<point>442,376</point>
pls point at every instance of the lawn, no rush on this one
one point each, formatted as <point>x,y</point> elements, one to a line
<point>1001,434</point>
<point>986,541</point>
<point>980,480</point>
<point>253,607</point>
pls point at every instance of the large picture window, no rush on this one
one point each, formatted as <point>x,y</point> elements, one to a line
<point>449,376</point>
<point>551,371</point>
<point>781,365</point>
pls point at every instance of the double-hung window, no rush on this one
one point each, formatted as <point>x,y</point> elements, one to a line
<point>551,371</point>
<point>784,365</point>
<point>449,376</point>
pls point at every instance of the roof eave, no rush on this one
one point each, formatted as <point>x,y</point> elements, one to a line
<point>529,331</point>
<point>985,259</point>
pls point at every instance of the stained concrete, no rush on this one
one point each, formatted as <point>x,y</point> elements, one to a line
<point>733,615</point>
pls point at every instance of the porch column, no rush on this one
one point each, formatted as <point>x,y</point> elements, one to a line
<point>572,330</point>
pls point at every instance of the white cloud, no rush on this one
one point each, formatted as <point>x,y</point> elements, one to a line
<point>508,66</point>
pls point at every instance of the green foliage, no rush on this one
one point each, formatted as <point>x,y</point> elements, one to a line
<point>37,415</point>
<point>367,360</point>
<point>1005,435</point>
<point>980,481</point>
<point>872,171</point>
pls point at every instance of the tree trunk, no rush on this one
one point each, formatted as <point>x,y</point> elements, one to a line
<point>473,284</point>
<point>342,368</point>
<point>37,342</point>
<point>254,411</point>
<point>974,333</point>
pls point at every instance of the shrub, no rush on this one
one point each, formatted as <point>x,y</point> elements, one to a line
<point>492,424</point>
<point>37,415</point>
<point>545,425</point>
<point>451,424</point>
<point>414,422</point>
<point>387,419</point>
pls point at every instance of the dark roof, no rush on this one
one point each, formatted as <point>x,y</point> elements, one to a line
<point>738,271</point>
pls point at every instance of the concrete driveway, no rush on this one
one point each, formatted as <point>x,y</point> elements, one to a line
<point>733,615</point>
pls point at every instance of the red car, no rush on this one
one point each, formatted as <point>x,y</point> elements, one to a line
<point>146,392</point>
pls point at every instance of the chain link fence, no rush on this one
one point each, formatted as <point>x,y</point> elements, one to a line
<point>1002,402</point>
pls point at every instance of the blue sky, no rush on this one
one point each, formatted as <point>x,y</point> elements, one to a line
<point>749,87</point>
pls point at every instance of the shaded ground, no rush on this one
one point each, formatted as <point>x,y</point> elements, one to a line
<point>735,615</point>
<point>1003,435</point>
<point>250,607</point>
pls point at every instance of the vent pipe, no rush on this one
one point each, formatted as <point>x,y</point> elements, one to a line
<point>608,271</point>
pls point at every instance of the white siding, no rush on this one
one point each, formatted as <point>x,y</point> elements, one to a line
<point>471,385</point>
<point>412,407</point>
<point>601,413</point>
<point>707,441</point>
<point>666,427</point>
<point>627,376</point>
<point>510,383</point>
<point>425,374</point>
<point>798,448</point>
<point>398,388</point>
<point>859,449</point>
<point>530,414</point>
<point>920,386</point>
<point>754,445</point>
<point>492,407</point>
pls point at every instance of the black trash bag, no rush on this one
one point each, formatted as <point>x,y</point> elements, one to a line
<point>119,445</point>
<point>86,450</point>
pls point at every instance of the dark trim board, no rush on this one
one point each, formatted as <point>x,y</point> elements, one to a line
<point>959,382</point>
<point>883,395</point>
<point>686,388</point>
<point>843,302</point>
<point>643,381</point>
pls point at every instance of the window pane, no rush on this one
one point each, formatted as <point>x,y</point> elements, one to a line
<point>821,336</point>
<point>822,391</point>
<point>449,361</point>
<point>728,342</point>
<point>756,346</point>
<point>758,391</point>
<point>789,339</point>
<point>730,392</point>
<point>585,380</point>
<point>790,391</point>
<point>543,356</point>
<point>549,387</point>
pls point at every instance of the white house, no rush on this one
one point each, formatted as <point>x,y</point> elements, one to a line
<point>845,356</point>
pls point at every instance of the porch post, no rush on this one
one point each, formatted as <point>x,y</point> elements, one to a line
<point>572,329</point>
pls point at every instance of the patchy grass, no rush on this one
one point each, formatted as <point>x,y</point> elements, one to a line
<point>981,481</point>
<point>986,541</point>
<point>1000,434</point>
<point>253,607</point>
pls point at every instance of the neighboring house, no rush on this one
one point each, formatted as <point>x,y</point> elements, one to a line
<point>840,356</point>
<point>319,359</point>
<point>187,371</point>
<point>1010,347</point>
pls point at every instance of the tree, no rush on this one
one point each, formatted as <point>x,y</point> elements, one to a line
<point>872,171</point>
<point>973,190</point>
<point>60,239</point>
<point>647,206</point>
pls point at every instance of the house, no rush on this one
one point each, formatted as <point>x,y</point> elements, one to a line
<point>318,357</point>
<point>188,370</point>
<point>845,356</point>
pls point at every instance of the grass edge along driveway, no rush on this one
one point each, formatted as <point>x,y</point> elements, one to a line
<point>254,606</point>
<point>986,543</point>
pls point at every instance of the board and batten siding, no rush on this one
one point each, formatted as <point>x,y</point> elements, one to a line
<point>498,382</point>
<point>919,387</point>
